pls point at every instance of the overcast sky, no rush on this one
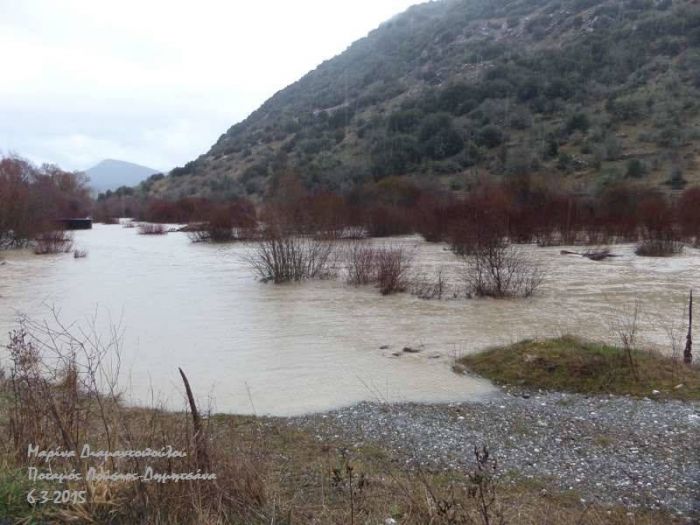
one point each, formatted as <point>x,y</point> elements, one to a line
<point>156,82</point>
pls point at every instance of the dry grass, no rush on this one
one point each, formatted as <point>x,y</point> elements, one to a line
<point>308,481</point>
<point>570,364</point>
<point>60,392</point>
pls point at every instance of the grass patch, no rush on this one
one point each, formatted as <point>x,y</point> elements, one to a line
<point>573,365</point>
<point>14,487</point>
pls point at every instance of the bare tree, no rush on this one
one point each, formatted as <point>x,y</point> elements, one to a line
<point>393,266</point>
<point>282,257</point>
<point>387,266</point>
<point>497,269</point>
<point>361,263</point>
<point>57,241</point>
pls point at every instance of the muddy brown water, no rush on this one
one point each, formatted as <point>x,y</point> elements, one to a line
<point>250,347</point>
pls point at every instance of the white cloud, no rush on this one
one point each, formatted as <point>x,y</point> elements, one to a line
<point>156,82</point>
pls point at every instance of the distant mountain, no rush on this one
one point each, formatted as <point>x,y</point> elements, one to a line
<point>586,92</point>
<point>110,174</point>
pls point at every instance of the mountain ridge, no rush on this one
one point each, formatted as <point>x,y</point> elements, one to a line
<point>589,92</point>
<point>110,174</point>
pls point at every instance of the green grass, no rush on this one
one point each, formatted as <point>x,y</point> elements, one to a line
<point>14,487</point>
<point>573,365</point>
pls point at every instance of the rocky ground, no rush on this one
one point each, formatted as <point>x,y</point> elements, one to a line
<point>637,452</point>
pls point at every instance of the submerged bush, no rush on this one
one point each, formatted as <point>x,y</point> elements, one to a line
<point>430,286</point>
<point>361,264</point>
<point>57,241</point>
<point>151,229</point>
<point>498,269</point>
<point>283,257</point>
<point>658,248</point>
<point>393,265</point>
<point>387,267</point>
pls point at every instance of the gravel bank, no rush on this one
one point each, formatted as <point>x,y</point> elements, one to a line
<point>637,452</point>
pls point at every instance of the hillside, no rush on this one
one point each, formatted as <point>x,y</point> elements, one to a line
<point>110,174</point>
<point>588,91</point>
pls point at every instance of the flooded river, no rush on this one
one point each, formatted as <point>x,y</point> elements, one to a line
<point>258,348</point>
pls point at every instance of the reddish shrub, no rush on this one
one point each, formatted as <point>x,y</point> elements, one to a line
<point>688,213</point>
<point>616,212</point>
<point>659,238</point>
<point>32,198</point>
<point>387,221</point>
<point>225,222</point>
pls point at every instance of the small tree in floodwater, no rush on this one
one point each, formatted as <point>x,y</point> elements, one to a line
<point>497,269</point>
<point>393,265</point>
<point>51,242</point>
<point>281,256</point>
<point>386,266</point>
<point>361,263</point>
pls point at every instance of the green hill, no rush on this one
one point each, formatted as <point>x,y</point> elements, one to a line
<point>588,91</point>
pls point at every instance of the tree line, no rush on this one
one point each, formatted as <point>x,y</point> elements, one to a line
<point>521,209</point>
<point>33,198</point>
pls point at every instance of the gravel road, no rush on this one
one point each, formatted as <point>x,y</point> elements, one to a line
<point>637,452</point>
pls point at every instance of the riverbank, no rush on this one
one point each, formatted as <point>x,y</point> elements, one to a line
<point>413,464</point>
<point>553,457</point>
<point>625,433</point>
<point>592,421</point>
